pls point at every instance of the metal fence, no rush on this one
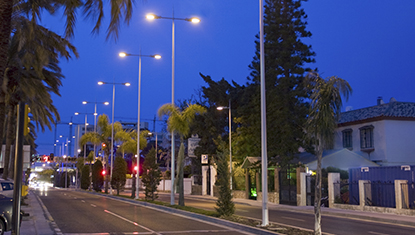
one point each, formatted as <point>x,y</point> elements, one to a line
<point>381,190</point>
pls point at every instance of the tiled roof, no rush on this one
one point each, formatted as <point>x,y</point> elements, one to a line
<point>390,110</point>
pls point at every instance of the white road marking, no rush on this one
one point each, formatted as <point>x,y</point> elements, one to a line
<point>93,205</point>
<point>82,201</point>
<point>132,222</point>
<point>377,233</point>
<point>301,220</point>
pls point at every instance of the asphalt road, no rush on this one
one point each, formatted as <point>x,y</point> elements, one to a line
<point>83,213</point>
<point>330,224</point>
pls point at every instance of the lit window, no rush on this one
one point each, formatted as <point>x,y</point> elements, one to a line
<point>366,137</point>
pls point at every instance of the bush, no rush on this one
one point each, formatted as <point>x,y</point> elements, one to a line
<point>151,175</point>
<point>85,177</point>
<point>119,175</point>
<point>97,177</point>
<point>225,205</point>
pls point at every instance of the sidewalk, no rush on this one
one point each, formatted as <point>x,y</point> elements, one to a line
<point>39,222</point>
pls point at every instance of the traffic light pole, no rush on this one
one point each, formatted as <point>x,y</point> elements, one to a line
<point>18,164</point>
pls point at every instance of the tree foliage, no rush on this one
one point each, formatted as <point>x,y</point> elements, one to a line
<point>285,59</point>
<point>180,122</point>
<point>119,174</point>
<point>97,177</point>
<point>325,108</point>
<point>151,175</point>
<point>85,180</point>
<point>224,204</point>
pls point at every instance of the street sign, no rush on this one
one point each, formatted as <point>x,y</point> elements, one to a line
<point>205,159</point>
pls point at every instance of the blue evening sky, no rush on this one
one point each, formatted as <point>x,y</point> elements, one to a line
<point>368,43</point>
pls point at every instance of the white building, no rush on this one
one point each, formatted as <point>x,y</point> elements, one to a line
<point>384,133</point>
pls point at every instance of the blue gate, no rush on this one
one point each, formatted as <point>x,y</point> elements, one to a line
<point>382,184</point>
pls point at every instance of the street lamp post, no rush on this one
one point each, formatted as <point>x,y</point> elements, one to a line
<point>95,118</point>
<point>195,21</point>
<point>123,54</point>
<point>230,140</point>
<point>264,158</point>
<point>86,128</point>
<point>112,119</point>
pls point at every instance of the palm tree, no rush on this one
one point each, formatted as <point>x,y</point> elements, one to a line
<point>121,10</point>
<point>102,136</point>
<point>32,73</point>
<point>129,145</point>
<point>325,108</point>
<point>180,121</point>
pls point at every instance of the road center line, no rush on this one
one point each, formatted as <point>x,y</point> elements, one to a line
<point>132,222</point>
<point>377,233</point>
<point>301,220</point>
<point>82,201</point>
<point>93,205</point>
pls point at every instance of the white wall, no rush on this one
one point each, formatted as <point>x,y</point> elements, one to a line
<point>393,141</point>
<point>400,142</point>
<point>26,156</point>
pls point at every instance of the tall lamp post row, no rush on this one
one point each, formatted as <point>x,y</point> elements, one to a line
<point>95,118</point>
<point>123,54</point>
<point>112,119</point>
<point>195,21</point>
<point>86,126</point>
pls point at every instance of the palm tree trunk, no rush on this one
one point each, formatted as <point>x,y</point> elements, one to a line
<point>6,8</point>
<point>180,173</point>
<point>317,197</point>
<point>8,144</point>
<point>10,138</point>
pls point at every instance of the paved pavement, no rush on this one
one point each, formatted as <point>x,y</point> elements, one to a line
<point>39,221</point>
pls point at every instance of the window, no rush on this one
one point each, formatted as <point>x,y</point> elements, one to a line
<point>6,186</point>
<point>347,138</point>
<point>366,137</point>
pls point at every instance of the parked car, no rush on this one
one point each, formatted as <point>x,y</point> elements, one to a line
<point>6,210</point>
<point>6,188</point>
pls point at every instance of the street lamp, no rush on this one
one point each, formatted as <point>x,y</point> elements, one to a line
<point>123,54</point>
<point>112,119</point>
<point>86,129</point>
<point>264,158</point>
<point>95,117</point>
<point>230,139</point>
<point>195,21</point>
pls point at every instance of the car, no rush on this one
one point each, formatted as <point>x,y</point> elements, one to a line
<point>6,210</point>
<point>6,188</point>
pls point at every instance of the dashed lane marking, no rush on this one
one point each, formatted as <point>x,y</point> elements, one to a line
<point>290,218</point>
<point>93,205</point>
<point>132,222</point>
<point>377,233</point>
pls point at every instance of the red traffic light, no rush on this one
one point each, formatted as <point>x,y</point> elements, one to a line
<point>104,145</point>
<point>135,168</point>
<point>103,172</point>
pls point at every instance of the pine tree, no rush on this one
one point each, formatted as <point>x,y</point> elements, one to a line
<point>286,58</point>
<point>225,205</point>
<point>151,175</point>
<point>119,175</point>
